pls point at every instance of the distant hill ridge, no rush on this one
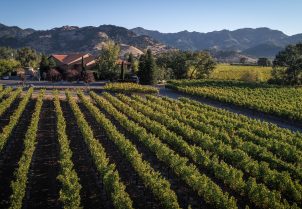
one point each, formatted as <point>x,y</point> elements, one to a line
<point>71,39</point>
<point>257,42</point>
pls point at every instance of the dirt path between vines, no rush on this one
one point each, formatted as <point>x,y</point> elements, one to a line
<point>254,114</point>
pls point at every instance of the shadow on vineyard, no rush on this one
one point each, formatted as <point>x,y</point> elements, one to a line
<point>70,149</point>
<point>142,197</point>
<point>283,122</point>
<point>43,186</point>
<point>186,196</point>
<point>92,193</point>
<point>4,120</point>
<point>11,154</point>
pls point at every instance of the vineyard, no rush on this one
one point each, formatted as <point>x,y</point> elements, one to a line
<point>281,101</point>
<point>240,72</point>
<point>89,150</point>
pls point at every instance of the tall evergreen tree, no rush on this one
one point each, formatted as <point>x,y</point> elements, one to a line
<point>122,75</point>
<point>130,58</point>
<point>44,64</point>
<point>142,68</point>
<point>147,69</point>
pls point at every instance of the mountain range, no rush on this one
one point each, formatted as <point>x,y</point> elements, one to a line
<point>259,42</point>
<point>72,39</point>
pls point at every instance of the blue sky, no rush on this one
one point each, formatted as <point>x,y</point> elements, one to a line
<point>162,15</point>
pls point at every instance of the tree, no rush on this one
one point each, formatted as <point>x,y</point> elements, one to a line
<point>28,57</point>
<point>122,75</point>
<point>164,74</point>
<point>200,65</point>
<point>44,64</point>
<point>130,58</point>
<point>8,65</point>
<point>7,53</point>
<point>133,63</point>
<point>54,75</point>
<point>287,66</point>
<point>72,75</point>
<point>52,63</point>
<point>22,78</point>
<point>135,66</point>
<point>88,77</point>
<point>147,69</point>
<point>243,60</point>
<point>174,61</point>
<point>107,61</point>
<point>264,62</point>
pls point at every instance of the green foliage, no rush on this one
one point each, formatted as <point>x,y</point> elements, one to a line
<point>7,130</point>
<point>5,92</point>
<point>8,65</point>
<point>46,64</point>
<point>174,61</point>
<point>164,74</point>
<point>264,62</point>
<point>130,88</point>
<point>250,77</point>
<point>70,190</point>
<point>122,74</point>
<point>200,183</point>
<point>187,64</point>
<point>5,104</point>
<point>175,116</point>
<point>28,57</point>
<point>52,63</point>
<point>152,179</point>
<point>281,101</point>
<point>211,150</point>
<point>7,53</point>
<point>288,66</point>
<point>107,61</point>
<point>111,179</point>
<point>241,72</point>
<point>87,77</point>
<point>200,65</point>
<point>147,69</point>
<point>21,174</point>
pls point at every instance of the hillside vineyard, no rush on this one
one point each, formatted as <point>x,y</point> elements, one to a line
<point>76,149</point>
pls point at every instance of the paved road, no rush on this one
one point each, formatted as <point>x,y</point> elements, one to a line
<point>255,114</point>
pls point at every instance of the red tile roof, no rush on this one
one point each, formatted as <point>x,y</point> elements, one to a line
<point>59,57</point>
<point>68,59</point>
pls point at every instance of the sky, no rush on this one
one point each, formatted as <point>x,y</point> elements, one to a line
<point>161,15</point>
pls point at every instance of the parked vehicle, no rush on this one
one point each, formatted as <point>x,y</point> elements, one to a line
<point>133,79</point>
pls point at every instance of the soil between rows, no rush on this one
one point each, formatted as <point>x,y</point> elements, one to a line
<point>92,193</point>
<point>186,196</point>
<point>141,196</point>
<point>4,119</point>
<point>241,201</point>
<point>43,187</point>
<point>11,153</point>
